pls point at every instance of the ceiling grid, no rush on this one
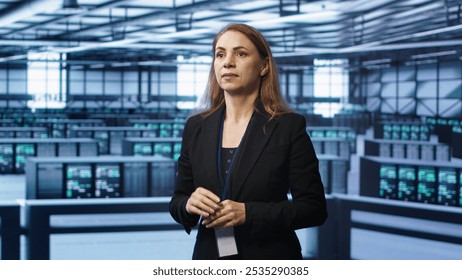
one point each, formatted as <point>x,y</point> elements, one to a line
<point>136,30</point>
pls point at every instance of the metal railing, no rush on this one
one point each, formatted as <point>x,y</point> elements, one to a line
<point>44,218</point>
<point>41,219</point>
<point>408,220</point>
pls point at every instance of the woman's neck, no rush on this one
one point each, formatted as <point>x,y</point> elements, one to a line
<point>239,108</point>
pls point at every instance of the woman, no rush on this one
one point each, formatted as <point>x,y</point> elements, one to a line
<point>242,155</point>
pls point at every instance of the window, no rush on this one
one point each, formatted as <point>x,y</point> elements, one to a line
<point>193,75</point>
<point>331,81</point>
<point>46,80</point>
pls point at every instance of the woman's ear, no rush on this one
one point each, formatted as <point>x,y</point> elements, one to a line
<point>264,69</point>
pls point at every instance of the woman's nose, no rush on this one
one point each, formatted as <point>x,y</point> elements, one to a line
<point>229,61</point>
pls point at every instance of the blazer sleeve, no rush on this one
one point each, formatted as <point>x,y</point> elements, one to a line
<point>184,183</point>
<point>308,205</point>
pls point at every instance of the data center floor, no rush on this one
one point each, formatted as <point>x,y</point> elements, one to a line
<point>159,245</point>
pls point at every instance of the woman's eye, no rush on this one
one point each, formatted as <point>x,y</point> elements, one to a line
<point>219,55</point>
<point>241,54</point>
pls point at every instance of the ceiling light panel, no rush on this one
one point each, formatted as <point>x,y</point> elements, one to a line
<point>215,24</point>
<point>94,20</point>
<point>122,12</point>
<point>207,14</point>
<point>414,2</point>
<point>312,18</point>
<point>254,5</point>
<point>37,18</point>
<point>323,35</point>
<point>91,2</point>
<point>409,4</point>
<point>432,7</point>
<point>163,3</point>
<point>54,26</point>
<point>324,27</point>
<point>252,17</point>
<point>376,15</point>
<point>17,25</point>
<point>205,42</point>
<point>165,30</point>
<point>363,5</point>
<point>410,22</point>
<point>158,22</point>
<point>273,33</point>
<point>101,33</point>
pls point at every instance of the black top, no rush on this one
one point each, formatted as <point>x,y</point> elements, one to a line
<point>226,156</point>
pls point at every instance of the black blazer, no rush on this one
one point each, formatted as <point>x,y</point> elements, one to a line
<point>274,158</point>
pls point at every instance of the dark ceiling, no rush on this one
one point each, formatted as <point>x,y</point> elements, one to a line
<point>155,32</point>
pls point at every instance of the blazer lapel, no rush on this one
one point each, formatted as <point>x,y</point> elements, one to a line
<point>252,147</point>
<point>211,128</point>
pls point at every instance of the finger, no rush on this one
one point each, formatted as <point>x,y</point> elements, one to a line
<point>196,210</point>
<point>231,214</point>
<point>207,220</point>
<point>206,204</point>
<point>222,221</point>
<point>200,208</point>
<point>196,205</point>
<point>210,195</point>
<point>212,217</point>
<point>227,204</point>
<point>206,200</point>
<point>219,213</point>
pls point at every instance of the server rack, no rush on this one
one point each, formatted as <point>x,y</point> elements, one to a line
<point>323,132</point>
<point>110,137</point>
<point>14,152</point>
<point>161,127</point>
<point>23,132</point>
<point>334,173</point>
<point>407,149</point>
<point>168,147</point>
<point>99,177</point>
<point>431,182</point>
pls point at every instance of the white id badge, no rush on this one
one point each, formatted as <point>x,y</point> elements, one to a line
<point>226,242</point>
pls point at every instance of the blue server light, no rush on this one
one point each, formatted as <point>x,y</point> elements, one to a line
<point>426,188</point>
<point>388,182</point>
<point>407,183</point>
<point>78,181</point>
<point>447,187</point>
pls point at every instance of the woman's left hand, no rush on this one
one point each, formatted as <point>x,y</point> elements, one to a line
<point>229,214</point>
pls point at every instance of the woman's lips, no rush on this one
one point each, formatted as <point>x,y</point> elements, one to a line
<point>229,75</point>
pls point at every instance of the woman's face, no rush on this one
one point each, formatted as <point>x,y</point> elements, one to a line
<point>238,65</point>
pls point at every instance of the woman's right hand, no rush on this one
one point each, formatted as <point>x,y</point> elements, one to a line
<point>202,202</point>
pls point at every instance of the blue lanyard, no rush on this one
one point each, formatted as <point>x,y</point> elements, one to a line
<point>225,188</point>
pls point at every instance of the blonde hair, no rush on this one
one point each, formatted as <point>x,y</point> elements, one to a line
<point>270,93</point>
